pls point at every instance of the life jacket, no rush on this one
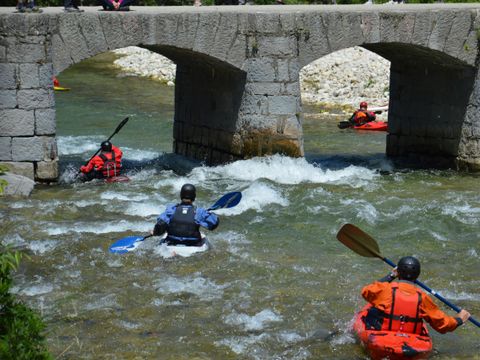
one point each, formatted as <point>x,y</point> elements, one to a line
<point>404,314</point>
<point>360,117</point>
<point>109,167</point>
<point>182,223</point>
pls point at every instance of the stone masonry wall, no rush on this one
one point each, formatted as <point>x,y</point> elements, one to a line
<point>427,110</point>
<point>27,106</point>
<point>207,99</point>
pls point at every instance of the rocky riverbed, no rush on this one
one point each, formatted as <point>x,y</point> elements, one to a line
<point>341,79</point>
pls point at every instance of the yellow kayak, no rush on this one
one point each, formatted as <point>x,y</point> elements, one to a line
<point>59,88</point>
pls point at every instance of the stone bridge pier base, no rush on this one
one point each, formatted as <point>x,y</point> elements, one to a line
<point>27,108</point>
<point>429,124</point>
<point>224,114</point>
<point>469,147</point>
<point>270,116</point>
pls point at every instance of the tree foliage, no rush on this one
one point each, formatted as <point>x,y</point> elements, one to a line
<point>20,327</point>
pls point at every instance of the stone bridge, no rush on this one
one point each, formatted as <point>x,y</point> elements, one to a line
<point>237,90</point>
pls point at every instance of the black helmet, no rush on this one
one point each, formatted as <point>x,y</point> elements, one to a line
<point>106,146</point>
<point>188,191</point>
<point>408,268</point>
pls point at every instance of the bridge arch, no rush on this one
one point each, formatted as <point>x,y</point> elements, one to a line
<point>253,56</point>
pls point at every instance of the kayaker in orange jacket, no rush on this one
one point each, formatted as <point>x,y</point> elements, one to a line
<point>362,115</point>
<point>401,306</point>
<point>106,164</point>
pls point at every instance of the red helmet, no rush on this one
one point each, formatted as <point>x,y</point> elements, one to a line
<point>363,104</point>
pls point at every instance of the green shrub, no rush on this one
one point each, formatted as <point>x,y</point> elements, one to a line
<point>20,327</point>
<point>3,183</point>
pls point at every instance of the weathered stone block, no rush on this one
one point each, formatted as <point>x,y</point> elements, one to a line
<point>276,46</point>
<point>28,76</point>
<point>20,168</point>
<point>26,53</point>
<point>7,76</point>
<point>34,99</point>
<point>264,88</point>
<point>224,38</point>
<point>45,122</point>
<point>8,99</point>
<point>47,170</point>
<point>254,104</point>
<point>45,75</point>
<point>50,149</point>
<point>282,70</point>
<point>27,149</point>
<point>283,105</point>
<point>61,58</point>
<point>290,127</point>
<point>261,70</point>
<point>17,185</point>
<point>16,122</point>
<point>3,53</point>
<point>5,148</point>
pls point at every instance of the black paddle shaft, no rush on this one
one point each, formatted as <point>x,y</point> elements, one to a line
<point>119,127</point>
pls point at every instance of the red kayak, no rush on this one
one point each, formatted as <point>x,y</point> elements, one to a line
<point>120,178</point>
<point>373,126</point>
<point>392,345</point>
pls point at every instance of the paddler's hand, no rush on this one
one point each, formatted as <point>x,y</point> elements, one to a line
<point>464,315</point>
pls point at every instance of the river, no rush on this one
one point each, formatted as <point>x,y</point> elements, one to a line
<point>276,283</point>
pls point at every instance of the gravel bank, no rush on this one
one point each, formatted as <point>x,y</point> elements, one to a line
<point>342,79</point>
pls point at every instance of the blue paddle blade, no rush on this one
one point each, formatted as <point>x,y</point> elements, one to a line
<point>227,201</point>
<point>126,244</point>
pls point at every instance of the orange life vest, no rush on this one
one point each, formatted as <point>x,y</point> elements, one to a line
<point>360,117</point>
<point>404,314</point>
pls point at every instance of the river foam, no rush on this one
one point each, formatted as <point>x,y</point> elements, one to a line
<point>284,170</point>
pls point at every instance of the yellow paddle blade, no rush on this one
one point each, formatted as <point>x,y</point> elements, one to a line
<point>359,241</point>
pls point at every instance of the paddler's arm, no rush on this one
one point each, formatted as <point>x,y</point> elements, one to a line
<point>163,220</point>
<point>92,164</point>
<point>159,228</point>
<point>206,219</point>
<point>371,116</point>
<point>390,277</point>
<point>437,319</point>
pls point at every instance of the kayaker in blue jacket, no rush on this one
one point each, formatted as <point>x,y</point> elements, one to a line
<point>182,221</point>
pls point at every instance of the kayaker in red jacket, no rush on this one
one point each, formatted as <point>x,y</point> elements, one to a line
<point>401,306</point>
<point>362,115</point>
<point>106,164</point>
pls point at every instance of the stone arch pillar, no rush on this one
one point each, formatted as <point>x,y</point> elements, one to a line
<point>27,104</point>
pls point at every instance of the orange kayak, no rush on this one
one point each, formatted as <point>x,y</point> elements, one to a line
<point>392,345</point>
<point>373,126</point>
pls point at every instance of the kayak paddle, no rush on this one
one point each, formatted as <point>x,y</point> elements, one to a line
<point>364,245</point>
<point>344,124</point>
<point>127,244</point>
<point>130,243</point>
<point>227,201</point>
<point>119,127</point>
